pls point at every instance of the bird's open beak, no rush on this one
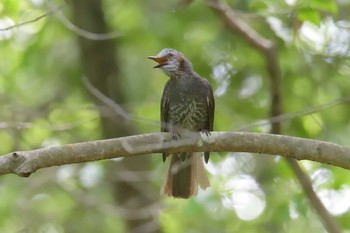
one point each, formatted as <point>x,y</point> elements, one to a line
<point>161,60</point>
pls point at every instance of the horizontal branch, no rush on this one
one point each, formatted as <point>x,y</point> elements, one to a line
<point>24,163</point>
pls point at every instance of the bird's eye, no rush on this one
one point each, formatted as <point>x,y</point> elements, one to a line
<point>171,55</point>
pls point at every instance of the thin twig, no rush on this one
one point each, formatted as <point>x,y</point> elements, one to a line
<point>107,101</point>
<point>55,9</point>
<point>321,210</point>
<point>115,107</point>
<point>291,115</point>
<point>53,127</point>
<point>84,33</point>
<point>51,11</point>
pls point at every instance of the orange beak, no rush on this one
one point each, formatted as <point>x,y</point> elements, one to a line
<point>161,60</point>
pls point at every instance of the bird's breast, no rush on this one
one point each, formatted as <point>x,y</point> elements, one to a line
<point>188,113</point>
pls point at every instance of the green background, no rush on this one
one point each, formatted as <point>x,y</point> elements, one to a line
<point>44,102</point>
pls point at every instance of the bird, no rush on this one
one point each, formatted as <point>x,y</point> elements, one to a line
<point>187,104</point>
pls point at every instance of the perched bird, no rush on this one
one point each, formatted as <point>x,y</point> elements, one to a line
<point>187,104</point>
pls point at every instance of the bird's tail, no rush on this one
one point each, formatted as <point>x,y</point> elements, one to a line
<point>185,173</point>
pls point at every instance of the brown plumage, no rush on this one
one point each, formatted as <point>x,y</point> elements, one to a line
<point>187,104</point>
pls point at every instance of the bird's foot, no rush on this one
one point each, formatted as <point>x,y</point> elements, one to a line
<point>175,135</point>
<point>206,132</point>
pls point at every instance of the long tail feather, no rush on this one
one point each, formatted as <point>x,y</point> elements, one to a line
<point>184,176</point>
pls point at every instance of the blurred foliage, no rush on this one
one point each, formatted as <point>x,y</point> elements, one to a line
<point>43,102</point>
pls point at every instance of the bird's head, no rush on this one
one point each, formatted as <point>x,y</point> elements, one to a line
<point>172,62</point>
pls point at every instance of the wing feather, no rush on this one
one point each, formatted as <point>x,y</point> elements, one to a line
<point>210,113</point>
<point>164,113</point>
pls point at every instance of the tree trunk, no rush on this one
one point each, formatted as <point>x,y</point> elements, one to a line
<point>131,187</point>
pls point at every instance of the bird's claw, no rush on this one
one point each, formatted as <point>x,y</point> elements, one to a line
<point>206,132</point>
<point>175,135</point>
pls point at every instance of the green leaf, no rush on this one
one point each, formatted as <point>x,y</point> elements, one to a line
<point>309,14</point>
<point>324,5</point>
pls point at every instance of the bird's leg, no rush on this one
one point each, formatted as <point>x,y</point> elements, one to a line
<point>174,136</point>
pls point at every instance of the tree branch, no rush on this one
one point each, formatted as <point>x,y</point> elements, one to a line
<point>268,49</point>
<point>24,163</point>
<point>305,182</point>
<point>265,46</point>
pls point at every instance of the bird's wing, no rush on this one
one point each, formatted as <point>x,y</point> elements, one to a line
<point>164,112</point>
<point>164,109</point>
<point>210,109</point>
